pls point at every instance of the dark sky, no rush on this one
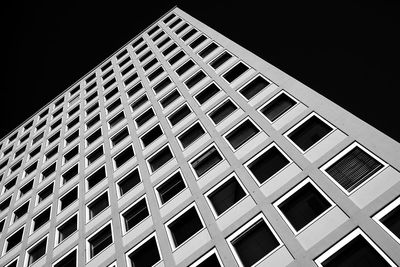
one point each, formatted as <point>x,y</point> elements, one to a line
<point>348,52</point>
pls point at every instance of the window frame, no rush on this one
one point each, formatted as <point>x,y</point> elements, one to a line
<point>342,153</point>
<point>154,154</point>
<point>258,154</point>
<point>87,189</point>
<point>90,202</point>
<point>300,123</point>
<point>217,186</point>
<point>27,255</point>
<point>206,256</point>
<point>118,132</point>
<point>87,162</point>
<point>5,251</point>
<point>186,130</point>
<point>218,106</point>
<point>32,226</point>
<point>168,94</point>
<point>57,232</point>
<point>292,191</point>
<point>147,131</point>
<point>344,241</point>
<point>119,153</point>
<point>136,117</point>
<point>13,217</point>
<point>199,154</point>
<point>59,210</point>
<point>88,244</point>
<point>245,228</point>
<point>62,182</point>
<point>37,201</point>
<point>237,125</point>
<point>175,110</point>
<point>138,245</point>
<point>122,218</point>
<point>73,250</point>
<point>202,89</point>
<point>385,211</point>
<point>119,193</point>
<point>251,80</point>
<point>217,56</point>
<point>272,99</point>
<point>160,204</point>
<point>87,135</point>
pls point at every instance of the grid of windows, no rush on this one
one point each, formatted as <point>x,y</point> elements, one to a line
<point>166,125</point>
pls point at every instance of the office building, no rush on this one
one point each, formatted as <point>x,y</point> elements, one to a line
<point>185,149</point>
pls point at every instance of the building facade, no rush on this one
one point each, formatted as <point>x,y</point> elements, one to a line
<point>185,149</point>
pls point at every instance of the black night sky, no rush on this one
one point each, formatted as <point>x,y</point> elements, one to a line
<point>347,51</point>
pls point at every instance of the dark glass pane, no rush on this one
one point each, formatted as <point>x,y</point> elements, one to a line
<point>241,134</point>
<point>171,187</point>
<point>146,255</point>
<point>221,59</point>
<point>187,225</point>
<point>129,181</point>
<point>207,93</point>
<point>179,115</point>
<point>191,135</point>
<point>206,161</point>
<point>195,79</point>
<point>222,111</point>
<point>277,107</point>
<point>135,214</point>
<point>392,221</point>
<point>254,87</point>
<point>159,159</point>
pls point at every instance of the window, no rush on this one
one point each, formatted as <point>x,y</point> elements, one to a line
<point>112,93</point>
<point>56,113</point>
<point>71,154</point>
<point>37,138</point>
<point>91,97</point>
<point>72,137</point>
<point>107,74</point>
<point>5,204</point>
<point>110,108</point>
<point>119,137</point>
<point>185,67</point>
<point>174,23</point>
<point>303,205</point>
<point>139,102</point>
<point>10,185</point>
<point>93,137</point>
<point>206,161</point>
<point>157,160</point>
<point>254,87</point>
<point>34,152</point>
<point>170,187</point>
<point>90,78</point>
<point>181,28</point>
<point>26,188</point>
<point>208,50</point>
<point>41,219</point>
<point>144,117</point>
<point>99,241</point>
<point>21,211</point>
<point>28,125</point>
<point>162,85</point>
<point>136,88</point>
<point>15,166</point>
<point>195,79</point>
<point>19,152</point>
<point>92,108</point>
<point>71,173</point>
<point>74,90</point>
<point>189,136</point>
<point>3,164</point>
<point>189,34</point>
<point>124,156</point>
<point>135,214</point>
<point>222,111</point>
<point>179,114</point>
<point>158,36</point>
<point>235,72</point>
<point>45,193</point>
<point>183,226</point>
<point>267,163</point>
<point>116,119</point>
<point>277,106</point>
<point>96,177</point>
<point>308,132</point>
<point>151,135</point>
<point>24,138</point>
<point>170,98</point>
<point>68,261</point>
<point>129,181</point>
<point>225,195</point>
<point>155,73</point>
<point>241,134</point>
<point>253,242</point>
<point>176,57</point>
<point>95,155</point>
<point>68,198</point>
<point>127,70</point>
<point>168,19</point>
<point>352,167</point>
<point>141,49</point>
<point>91,122</point>
<point>90,87</point>
<point>211,258</point>
<point>356,249</point>
<point>169,49</point>
<point>197,42</point>
<point>221,59</point>
<point>146,253</point>
<point>51,153</point>
<point>121,54</point>
<point>163,42</point>
<point>14,239</point>
<point>150,64</point>
<point>54,137</point>
<point>97,205</point>
<point>389,219</point>
<point>40,126</point>
<point>2,225</point>
<point>153,30</point>
<point>41,116</point>
<point>207,93</point>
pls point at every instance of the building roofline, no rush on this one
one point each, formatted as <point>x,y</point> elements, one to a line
<point>86,74</point>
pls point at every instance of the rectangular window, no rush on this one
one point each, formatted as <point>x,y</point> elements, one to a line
<point>37,138</point>
<point>151,135</point>
<point>91,97</point>
<point>352,167</point>
<point>254,87</point>
<point>141,49</point>
<point>267,163</point>
<point>135,214</point>
<point>169,18</point>
<point>123,157</point>
<point>303,205</point>
<point>41,219</point>
<point>235,72</point>
<point>176,57</point>
<point>67,229</point>
<point>197,42</point>
<point>5,204</point>
<point>19,152</point>
<point>139,102</point>
<point>136,88</point>
<point>93,137</point>
<point>71,173</point>
<point>68,198</point>
<point>170,187</point>
<point>170,98</point>
<point>221,59</point>
<point>99,241</point>
<point>206,161</point>
<point>153,30</point>
<point>184,226</point>
<point>195,79</point>
<point>68,261</point>
<point>72,137</point>
<point>116,119</point>
<point>155,73</point>
<point>277,106</point>
<point>107,74</point>
<point>111,94</point>
<point>150,64</point>
<point>189,136</point>
<point>9,185</point>
<point>72,123</point>
<point>21,211</point>
<point>208,50</point>
<point>40,126</point>
<point>24,138</point>
<point>121,54</point>
<point>14,239</point>
<point>51,153</point>
<point>45,193</point>
<point>110,108</point>
<point>308,132</point>
<point>207,93</point>
<point>185,67</point>
<point>174,23</point>
<point>178,115</point>
<point>74,90</point>
<point>92,108</point>
<point>96,177</point>
<point>145,56</point>
<point>49,171</point>
<point>163,42</point>
<point>189,34</point>
<point>119,137</point>
<point>144,117</point>
<point>354,249</point>
<point>71,154</point>
<point>124,62</point>
<point>222,111</point>
<point>90,78</point>
<point>181,28</point>
<point>253,242</point>
<point>94,155</point>
<point>389,219</point>
<point>34,152</point>
<point>137,42</point>
<point>93,121</point>
<point>15,166</point>
<point>56,113</point>
<point>169,49</point>
<point>160,158</point>
<point>225,195</point>
<point>146,253</point>
<point>26,188</point>
<point>127,70</point>
<point>158,36</point>
<point>53,138</point>
<point>241,134</point>
<point>129,181</point>
<point>211,258</point>
<point>162,85</point>
<point>97,205</point>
